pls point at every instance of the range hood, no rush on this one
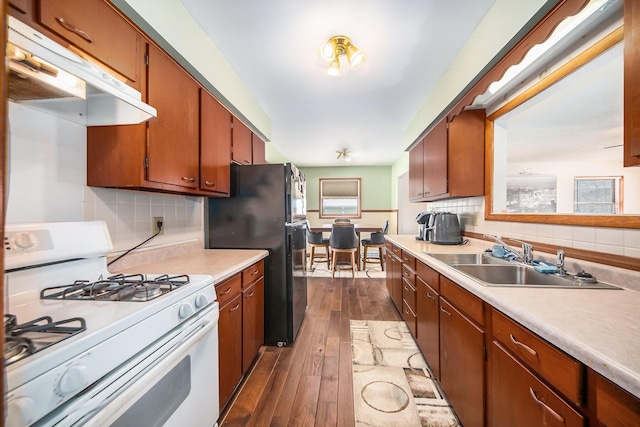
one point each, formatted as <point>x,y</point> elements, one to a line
<point>49,77</point>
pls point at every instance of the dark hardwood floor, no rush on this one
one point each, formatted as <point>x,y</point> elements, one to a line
<point>309,383</point>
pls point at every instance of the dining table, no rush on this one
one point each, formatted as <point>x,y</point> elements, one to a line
<point>358,228</point>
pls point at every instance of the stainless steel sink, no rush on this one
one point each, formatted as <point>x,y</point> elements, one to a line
<point>467,258</point>
<point>524,276</point>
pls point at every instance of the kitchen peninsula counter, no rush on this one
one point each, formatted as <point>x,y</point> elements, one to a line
<point>219,263</point>
<point>598,327</point>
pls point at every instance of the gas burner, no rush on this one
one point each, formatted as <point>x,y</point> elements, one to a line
<point>133,287</point>
<point>22,340</point>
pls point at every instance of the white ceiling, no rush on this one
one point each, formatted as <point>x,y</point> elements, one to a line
<point>273,47</point>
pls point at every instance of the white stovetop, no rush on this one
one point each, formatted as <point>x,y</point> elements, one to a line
<point>600,328</point>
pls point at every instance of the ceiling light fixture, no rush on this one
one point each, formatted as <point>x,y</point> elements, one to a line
<point>344,155</point>
<point>337,46</point>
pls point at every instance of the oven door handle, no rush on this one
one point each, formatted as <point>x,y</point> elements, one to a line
<point>125,382</point>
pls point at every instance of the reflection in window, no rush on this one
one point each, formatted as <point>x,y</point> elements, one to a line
<point>599,195</point>
<point>340,197</point>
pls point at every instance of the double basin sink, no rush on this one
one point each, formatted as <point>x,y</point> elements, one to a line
<point>492,271</point>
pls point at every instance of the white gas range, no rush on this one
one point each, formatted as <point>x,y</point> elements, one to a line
<point>124,350</point>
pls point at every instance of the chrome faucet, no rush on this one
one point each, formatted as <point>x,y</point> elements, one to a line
<point>560,263</point>
<point>525,255</point>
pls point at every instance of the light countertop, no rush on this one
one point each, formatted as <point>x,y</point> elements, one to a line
<point>598,327</point>
<point>219,263</point>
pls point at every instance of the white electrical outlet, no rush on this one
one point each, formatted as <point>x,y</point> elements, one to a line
<point>155,223</point>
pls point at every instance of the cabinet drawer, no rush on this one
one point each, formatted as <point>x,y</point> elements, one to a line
<point>97,29</point>
<point>409,317</point>
<point>517,398</point>
<point>429,275</point>
<point>556,367</point>
<point>409,260</point>
<point>396,251</point>
<point>253,273</point>
<point>409,295</point>
<point>228,288</point>
<point>466,302</point>
<point>409,275</point>
<point>614,406</point>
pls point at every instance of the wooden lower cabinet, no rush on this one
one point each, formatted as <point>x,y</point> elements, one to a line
<point>428,324</point>
<point>252,322</point>
<point>394,278</point>
<point>518,398</point>
<point>230,347</point>
<point>462,364</point>
<point>614,406</point>
<point>241,326</point>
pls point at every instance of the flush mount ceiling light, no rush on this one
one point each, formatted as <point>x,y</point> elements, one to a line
<point>337,46</point>
<point>344,155</point>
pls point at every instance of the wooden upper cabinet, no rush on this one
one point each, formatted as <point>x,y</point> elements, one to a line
<point>173,135</point>
<point>96,28</point>
<point>257,150</point>
<point>631,87</point>
<point>416,159</point>
<point>241,143</point>
<point>435,161</point>
<point>466,154</point>
<point>452,160</point>
<point>19,6</point>
<point>215,145</point>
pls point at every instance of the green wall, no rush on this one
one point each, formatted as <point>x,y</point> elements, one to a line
<point>375,185</point>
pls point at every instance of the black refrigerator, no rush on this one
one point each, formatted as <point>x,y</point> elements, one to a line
<point>267,210</point>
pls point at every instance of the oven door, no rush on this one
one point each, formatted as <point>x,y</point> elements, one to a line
<point>176,384</point>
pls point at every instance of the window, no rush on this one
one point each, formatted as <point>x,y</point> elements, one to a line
<point>339,197</point>
<point>597,195</point>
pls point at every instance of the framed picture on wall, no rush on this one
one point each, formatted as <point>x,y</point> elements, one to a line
<point>532,193</point>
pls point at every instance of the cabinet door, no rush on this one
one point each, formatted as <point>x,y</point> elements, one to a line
<point>615,407</point>
<point>631,88</point>
<point>252,322</point>
<point>466,154</point>
<point>416,173</point>
<point>173,135</point>
<point>230,347</point>
<point>518,398</point>
<point>257,150</point>
<point>241,143</point>
<point>428,324</point>
<point>462,364</point>
<point>98,30</point>
<point>215,145</point>
<point>396,291</point>
<point>20,6</point>
<point>435,161</point>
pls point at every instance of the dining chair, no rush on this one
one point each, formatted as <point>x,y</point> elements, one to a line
<point>341,220</point>
<point>343,239</point>
<point>376,240</point>
<point>316,240</point>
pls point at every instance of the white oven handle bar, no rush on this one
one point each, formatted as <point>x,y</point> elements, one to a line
<point>126,380</point>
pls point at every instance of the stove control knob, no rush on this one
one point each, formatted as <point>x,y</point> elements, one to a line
<point>25,240</point>
<point>20,411</point>
<point>201,301</point>
<point>75,379</point>
<point>185,311</point>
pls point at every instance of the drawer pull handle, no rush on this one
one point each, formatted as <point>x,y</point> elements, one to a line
<point>445,311</point>
<point>431,297</point>
<point>73,29</point>
<point>188,179</point>
<point>250,295</point>
<point>523,346</point>
<point>255,272</point>
<point>544,406</point>
<point>225,292</point>
<point>235,308</point>
<point>406,288</point>
<point>210,184</point>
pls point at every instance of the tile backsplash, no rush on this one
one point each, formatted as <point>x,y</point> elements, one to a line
<point>600,239</point>
<point>129,214</point>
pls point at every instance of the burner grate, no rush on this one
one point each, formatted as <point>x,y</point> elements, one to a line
<point>22,340</point>
<point>133,287</point>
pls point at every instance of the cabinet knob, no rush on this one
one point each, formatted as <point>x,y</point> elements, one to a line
<point>188,179</point>
<point>209,184</point>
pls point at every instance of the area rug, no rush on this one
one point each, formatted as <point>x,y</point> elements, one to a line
<point>392,383</point>
<point>320,270</point>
